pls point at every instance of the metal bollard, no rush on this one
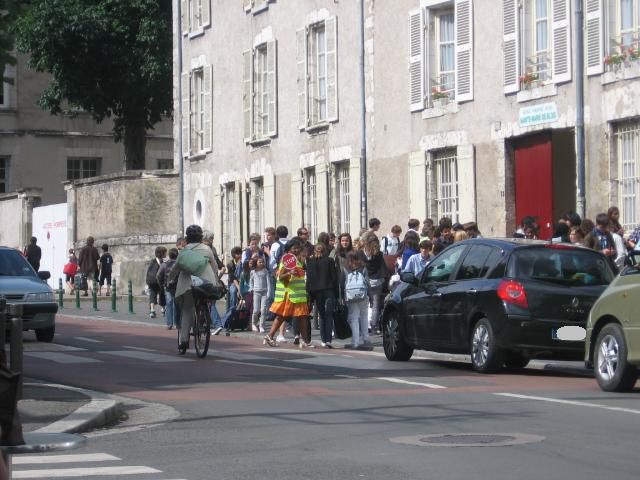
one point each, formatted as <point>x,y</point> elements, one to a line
<point>94,299</point>
<point>77,298</point>
<point>130,296</point>
<point>3,330</point>
<point>60,294</point>
<point>113,296</point>
<point>15,354</point>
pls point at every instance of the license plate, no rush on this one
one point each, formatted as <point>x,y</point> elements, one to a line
<point>568,333</point>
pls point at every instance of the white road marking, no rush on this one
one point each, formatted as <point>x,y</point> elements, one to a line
<point>84,472</point>
<point>407,382</point>
<point>147,356</point>
<point>139,348</point>
<point>251,364</point>
<point>347,376</point>
<point>569,402</point>
<point>61,357</point>
<point>90,340</point>
<point>51,347</point>
<point>39,459</point>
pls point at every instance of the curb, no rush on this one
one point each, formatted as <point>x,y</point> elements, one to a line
<point>100,411</point>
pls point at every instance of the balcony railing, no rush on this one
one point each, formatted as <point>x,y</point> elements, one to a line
<point>538,71</point>
<point>623,50</point>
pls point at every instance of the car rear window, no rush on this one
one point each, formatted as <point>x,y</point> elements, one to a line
<point>12,264</point>
<point>566,266</point>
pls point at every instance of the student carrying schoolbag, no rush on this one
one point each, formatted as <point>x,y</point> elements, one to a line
<point>152,272</point>
<point>356,287</point>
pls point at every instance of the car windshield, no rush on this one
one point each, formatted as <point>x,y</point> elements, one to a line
<point>565,266</point>
<point>12,264</point>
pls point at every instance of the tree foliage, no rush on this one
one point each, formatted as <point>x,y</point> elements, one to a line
<point>112,58</point>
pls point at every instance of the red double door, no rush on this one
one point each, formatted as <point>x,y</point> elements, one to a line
<point>534,181</point>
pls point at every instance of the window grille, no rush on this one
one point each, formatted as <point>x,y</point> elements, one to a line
<point>78,168</point>
<point>445,164</point>
<point>311,203</point>
<point>344,199</point>
<point>628,155</point>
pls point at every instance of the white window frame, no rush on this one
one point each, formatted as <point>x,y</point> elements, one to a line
<point>260,96</point>
<point>538,62</point>
<point>197,111</point>
<point>615,52</point>
<point>256,209</point>
<point>195,16</point>
<point>256,6</point>
<point>231,236</point>
<point>4,177</point>
<point>318,74</point>
<point>343,194</point>
<point>310,201</point>
<point>627,151</point>
<point>78,164</point>
<point>425,72</point>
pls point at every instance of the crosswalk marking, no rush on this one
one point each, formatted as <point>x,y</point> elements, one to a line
<point>58,357</point>
<point>51,347</point>
<point>84,472</point>
<point>90,340</point>
<point>148,356</point>
<point>262,365</point>
<point>40,459</point>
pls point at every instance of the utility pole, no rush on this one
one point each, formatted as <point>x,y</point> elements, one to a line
<point>363,129</point>
<point>580,142</point>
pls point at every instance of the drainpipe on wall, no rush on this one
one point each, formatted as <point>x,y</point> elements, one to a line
<point>363,133</point>
<point>180,139</point>
<point>580,142</point>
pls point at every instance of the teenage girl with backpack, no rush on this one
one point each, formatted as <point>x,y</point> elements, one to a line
<point>290,299</point>
<point>355,287</point>
<point>378,277</point>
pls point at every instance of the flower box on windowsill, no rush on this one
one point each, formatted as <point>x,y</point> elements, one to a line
<point>439,108</point>
<point>625,71</point>
<point>548,90</point>
<point>259,142</point>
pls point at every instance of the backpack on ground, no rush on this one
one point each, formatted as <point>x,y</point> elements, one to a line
<point>152,271</point>
<point>355,288</point>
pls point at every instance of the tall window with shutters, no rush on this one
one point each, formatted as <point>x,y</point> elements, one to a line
<point>7,89</point>
<point>256,208</point>
<point>260,93</point>
<point>627,157</point>
<point>536,43</point>
<point>311,202</point>
<point>441,54</point>
<point>343,203</point>
<point>195,16</point>
<point>317,74</point>
<point>200,110</point>
<point>618,21</point>
<point>231,236</point>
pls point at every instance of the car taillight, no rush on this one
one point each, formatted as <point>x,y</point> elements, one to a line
<point>513,292</point>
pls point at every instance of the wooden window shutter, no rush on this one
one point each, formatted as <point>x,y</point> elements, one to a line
<point>207,105</point>
<point>206,13</point>
<point>464,50</point>
<point>466,182</point>
<point>510,46</point>
<point>184,16</point>
<point>186,114</point>
<point>561,40</point>
<point>247,94</point>
<point>303,103</point>
<point>416,59</point>
<point>595,37</point>
<point>272,86</point>
<point>331,29</point>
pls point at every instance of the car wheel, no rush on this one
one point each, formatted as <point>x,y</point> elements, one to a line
<point>516,360</point>
<point>610,366</point>
<point>486,357</point>
<point>395,348</point>
<point>45,334</point>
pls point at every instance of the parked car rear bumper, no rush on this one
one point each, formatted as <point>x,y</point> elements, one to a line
<point>519,332</point>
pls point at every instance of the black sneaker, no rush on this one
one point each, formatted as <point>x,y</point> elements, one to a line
<point>152,314</point>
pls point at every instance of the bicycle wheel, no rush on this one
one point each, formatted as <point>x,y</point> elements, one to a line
<point>202,329</point>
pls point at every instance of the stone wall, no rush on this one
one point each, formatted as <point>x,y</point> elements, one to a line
<point>16,213</point>
<point>132,212</point>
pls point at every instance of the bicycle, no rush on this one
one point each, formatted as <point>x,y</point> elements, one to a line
<point>201,330</point>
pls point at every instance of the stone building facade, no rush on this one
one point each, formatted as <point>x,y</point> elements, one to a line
<point>470,112</point>
<point>42,150</point>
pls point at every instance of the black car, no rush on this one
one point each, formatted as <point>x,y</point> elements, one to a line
<point>20,284</point>
<point>501,301</point>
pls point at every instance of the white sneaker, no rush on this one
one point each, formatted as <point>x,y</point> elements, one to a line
<point>217,331</point>
<point>254,328</point>
<point>304,345</point>
<point>281,339</point>
<point>261,330</point>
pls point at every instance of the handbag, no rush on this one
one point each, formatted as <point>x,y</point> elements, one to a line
<point>191,261</point>
<point>341,325</point>
<point>70,269</point>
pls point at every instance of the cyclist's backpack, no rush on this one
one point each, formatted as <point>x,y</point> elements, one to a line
<point>280,252</point>
<point>355,289</point>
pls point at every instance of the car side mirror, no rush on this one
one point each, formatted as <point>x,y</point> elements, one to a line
<point>44,275</point>
<point>409,277</point>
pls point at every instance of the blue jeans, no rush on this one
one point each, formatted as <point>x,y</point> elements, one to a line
<point>170,309</point>
<point>232,302</point>
<point>216,321</point>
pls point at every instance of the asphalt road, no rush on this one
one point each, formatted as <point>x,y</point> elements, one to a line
<point>251,412</point>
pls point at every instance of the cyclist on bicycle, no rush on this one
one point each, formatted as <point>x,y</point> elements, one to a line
<point>184,297</point>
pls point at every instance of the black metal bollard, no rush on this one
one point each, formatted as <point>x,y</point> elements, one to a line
<point>94,299</point>
<point>114,307</point>
<point>130,296</point>
<point>60,293</point>
<point>77,298</point>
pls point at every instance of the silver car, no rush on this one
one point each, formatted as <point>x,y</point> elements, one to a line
<point>20,284</point>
